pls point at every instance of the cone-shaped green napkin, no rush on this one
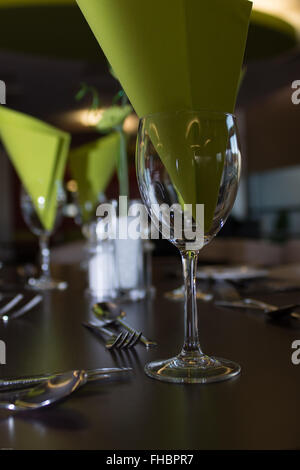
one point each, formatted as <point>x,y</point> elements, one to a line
<point>174,55</point>
<point>92,166</point>
<point>38,152</point>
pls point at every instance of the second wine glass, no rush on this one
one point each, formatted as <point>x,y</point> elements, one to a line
<point>44,281</point>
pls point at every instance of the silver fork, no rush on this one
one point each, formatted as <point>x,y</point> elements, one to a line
<point>115,341</point>
<point>13,314</point>
<point>11,304</point>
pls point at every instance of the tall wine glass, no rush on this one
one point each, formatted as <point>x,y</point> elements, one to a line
<point>189,157</point>
<point>45,281</point>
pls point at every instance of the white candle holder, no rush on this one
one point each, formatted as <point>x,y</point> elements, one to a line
<point>118,268</point>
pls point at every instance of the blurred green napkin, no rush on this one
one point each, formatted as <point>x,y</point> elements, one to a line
<point>39,153</point>
<point>92,166</point>
<point>174,55</point>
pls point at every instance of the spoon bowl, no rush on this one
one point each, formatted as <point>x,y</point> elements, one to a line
<point>47,393</point>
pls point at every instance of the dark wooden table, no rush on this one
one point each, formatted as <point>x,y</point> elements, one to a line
<point>258,410</point>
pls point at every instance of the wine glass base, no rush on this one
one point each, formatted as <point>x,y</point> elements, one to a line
<point>202,370</point>
<point>46,284</point>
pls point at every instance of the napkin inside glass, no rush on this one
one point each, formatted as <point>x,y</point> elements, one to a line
<point>92,166</point>
<point>38,152</point>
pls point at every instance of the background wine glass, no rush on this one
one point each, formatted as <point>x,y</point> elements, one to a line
<point>178,294</point>
<point>45,281</point>
<point>174,151</point>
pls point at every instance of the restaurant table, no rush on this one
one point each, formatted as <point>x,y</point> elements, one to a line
<point>257,410</point>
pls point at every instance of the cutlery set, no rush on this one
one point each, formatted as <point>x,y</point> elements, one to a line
<point>111,314</point>
<point>271,311</point>
<point>39,391</point>
<point>228,296</point>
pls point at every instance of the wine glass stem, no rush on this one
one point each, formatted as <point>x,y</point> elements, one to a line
<point>45,256</point>
<point>191,345</point>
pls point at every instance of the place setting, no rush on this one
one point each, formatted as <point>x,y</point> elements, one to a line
<point>234,285</point>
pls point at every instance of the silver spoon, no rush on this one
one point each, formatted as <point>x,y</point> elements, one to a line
<point>47,393</point>
<point>19,383</point>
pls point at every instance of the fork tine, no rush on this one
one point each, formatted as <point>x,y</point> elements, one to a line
<point>123,341</point>
<point>116,342</point>
<point>130,340</point>
<point>119,341</point>
<point>137,338</point>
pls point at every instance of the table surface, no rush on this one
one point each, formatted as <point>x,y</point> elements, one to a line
<point>257,410</point>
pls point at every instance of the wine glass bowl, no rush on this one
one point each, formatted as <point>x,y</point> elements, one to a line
<point>45,281</point>
<point>188,160</point>
<point>222,167</point>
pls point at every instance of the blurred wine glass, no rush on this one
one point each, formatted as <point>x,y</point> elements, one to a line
<point>31,218</point>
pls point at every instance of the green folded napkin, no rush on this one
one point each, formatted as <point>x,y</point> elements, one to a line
<point>174,55</point>
<point>193,152</point>
<point>92,166</point>
<point>39,153</point>
<point>21,3</point>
